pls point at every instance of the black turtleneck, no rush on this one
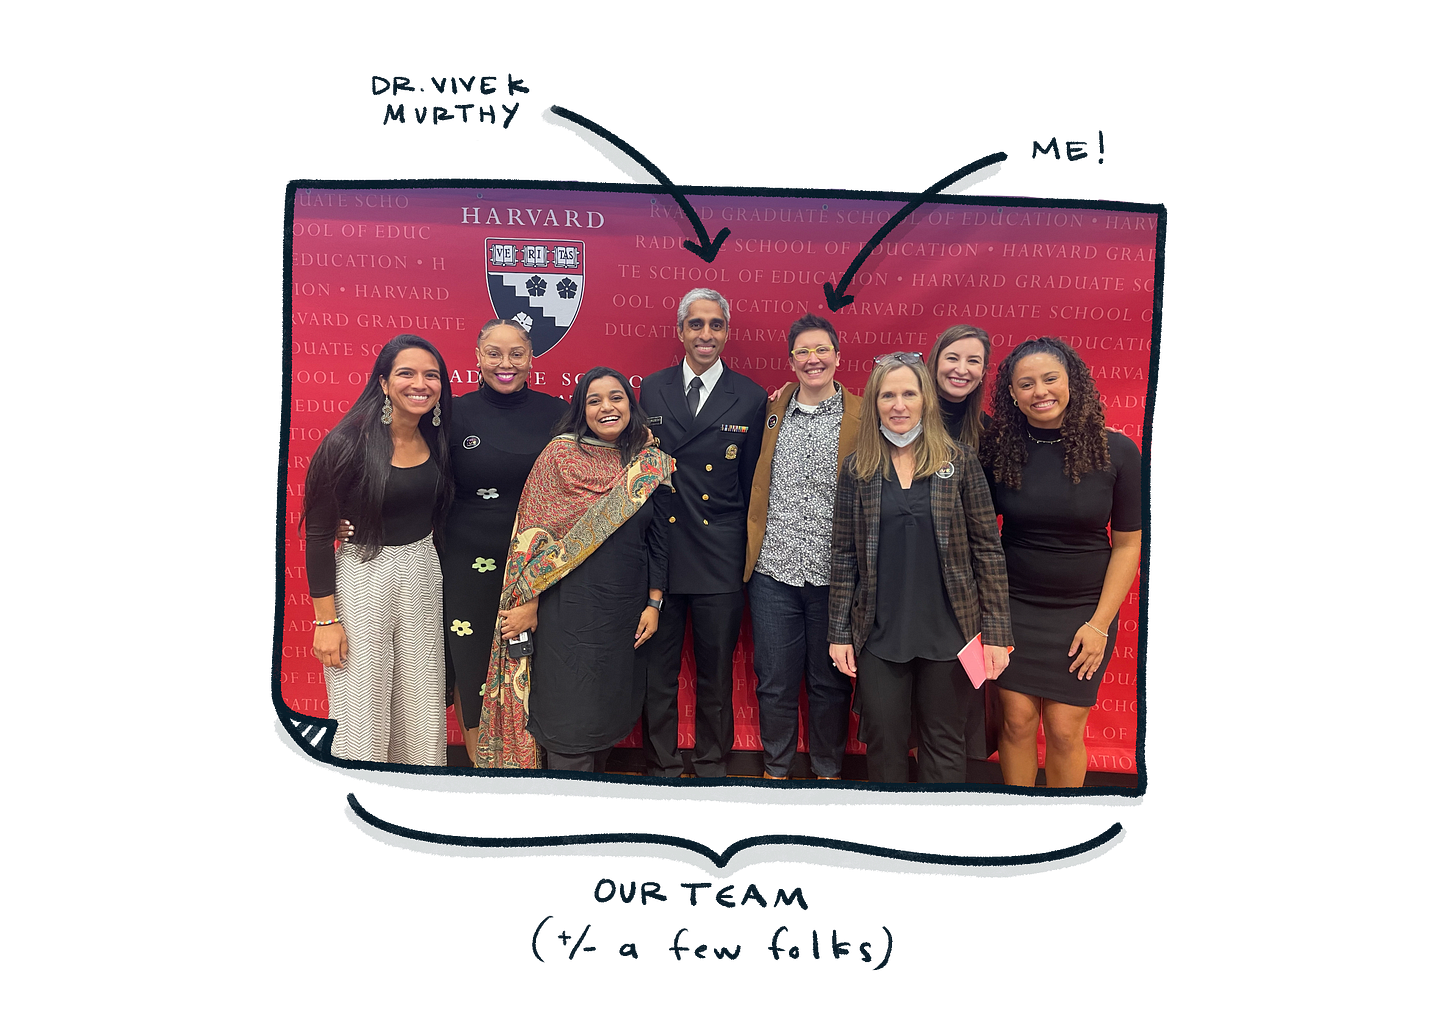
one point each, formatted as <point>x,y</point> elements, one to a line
<point>516,420</point>
<point>954,415</point>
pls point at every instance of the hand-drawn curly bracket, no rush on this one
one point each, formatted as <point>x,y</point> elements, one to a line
<point>961,178</point>
<point>743,854</point>
<point>634,162</point>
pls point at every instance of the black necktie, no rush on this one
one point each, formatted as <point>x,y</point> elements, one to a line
<point>695,395</point>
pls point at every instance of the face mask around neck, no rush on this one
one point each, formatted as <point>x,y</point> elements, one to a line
<point>900,440</point>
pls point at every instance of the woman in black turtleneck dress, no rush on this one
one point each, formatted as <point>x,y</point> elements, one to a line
<point>496,434</point>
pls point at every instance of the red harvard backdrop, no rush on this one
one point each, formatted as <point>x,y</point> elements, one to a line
<point>600,271</point>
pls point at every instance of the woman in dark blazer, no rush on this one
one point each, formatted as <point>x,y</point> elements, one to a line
<point>916,573</point>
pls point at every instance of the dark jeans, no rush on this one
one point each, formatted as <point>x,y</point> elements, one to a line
<point>790,643</point>
<point>934,695</point>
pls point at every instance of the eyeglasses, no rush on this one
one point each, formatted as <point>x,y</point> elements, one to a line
<point>517,356</point>
<point>802,353</point>
<point>898,358</point>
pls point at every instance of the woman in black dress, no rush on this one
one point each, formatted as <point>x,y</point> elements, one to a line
<point>1060,478</point>
<point>376,601</point>
<point>587,573</point>
<point>915,573</point>
<point>496,434</point>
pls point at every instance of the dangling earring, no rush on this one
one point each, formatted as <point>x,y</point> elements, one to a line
<point>388,414</point>
<point>436,419</point>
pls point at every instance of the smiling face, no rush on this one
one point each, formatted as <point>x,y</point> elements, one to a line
<point>504,358</point>
<point>607,410</point>
<point>703,333</point>
<point>899,401</point>
<point>1040,387</point>
<point>816,370</point>
<point>960,368</point>
<point>413,385</point>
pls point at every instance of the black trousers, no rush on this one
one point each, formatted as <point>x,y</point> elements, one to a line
<point>717,618</point>
<point>583,762</point>
<point>931,695</point>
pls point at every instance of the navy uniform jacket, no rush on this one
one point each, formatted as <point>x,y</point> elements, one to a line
<point>717,452</point>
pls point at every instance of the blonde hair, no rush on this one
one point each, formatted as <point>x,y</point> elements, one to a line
<point>933,449</point>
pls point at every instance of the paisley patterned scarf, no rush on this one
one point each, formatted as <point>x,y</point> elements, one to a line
<point>575,498</point>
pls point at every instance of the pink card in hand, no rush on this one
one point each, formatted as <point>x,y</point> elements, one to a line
<point>973,659</point>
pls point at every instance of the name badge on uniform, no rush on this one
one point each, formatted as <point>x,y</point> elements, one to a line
<point>736,428</point>
<point>654,420</point>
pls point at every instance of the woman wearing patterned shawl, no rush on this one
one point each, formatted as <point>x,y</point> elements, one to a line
<point>586,574</point>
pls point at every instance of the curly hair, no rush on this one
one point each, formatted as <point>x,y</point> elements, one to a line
<point>1084,427</point>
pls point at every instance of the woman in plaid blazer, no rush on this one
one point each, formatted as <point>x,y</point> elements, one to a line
<point>916,572</point>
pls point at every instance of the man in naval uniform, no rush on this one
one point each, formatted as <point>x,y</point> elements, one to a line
<point>711,420</point>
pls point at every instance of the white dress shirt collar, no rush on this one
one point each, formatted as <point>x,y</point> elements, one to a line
<point>710,378</point>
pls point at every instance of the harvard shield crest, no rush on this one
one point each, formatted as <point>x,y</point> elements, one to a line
<point>537,283</point>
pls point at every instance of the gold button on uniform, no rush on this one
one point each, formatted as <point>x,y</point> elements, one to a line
<point>672,519</point>
<point>705,522</point>
<point>709,467</point>
<point>705,497</point>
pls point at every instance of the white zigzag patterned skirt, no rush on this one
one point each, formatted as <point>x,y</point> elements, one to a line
<point>389,697</point>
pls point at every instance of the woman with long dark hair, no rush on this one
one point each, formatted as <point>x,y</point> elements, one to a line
<point>915,574</point>
<point>377,625</point>
<point>1062,482</point>
<point>586,574</point>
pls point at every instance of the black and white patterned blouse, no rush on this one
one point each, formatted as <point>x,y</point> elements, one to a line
<point>801,494</point>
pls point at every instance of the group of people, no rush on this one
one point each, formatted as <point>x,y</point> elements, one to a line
<point>576,539</point>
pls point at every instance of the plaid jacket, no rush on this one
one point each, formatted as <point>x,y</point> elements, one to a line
<point>971,564</point>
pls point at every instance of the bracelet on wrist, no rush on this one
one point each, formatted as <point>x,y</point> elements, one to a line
<point>320,624</point>
<point>654,603</point>
<point>1095,629</point>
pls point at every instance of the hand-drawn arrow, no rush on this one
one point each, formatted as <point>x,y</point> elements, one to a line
<point>703,248</point>
<point>835,296</point>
